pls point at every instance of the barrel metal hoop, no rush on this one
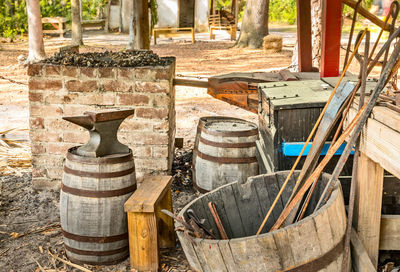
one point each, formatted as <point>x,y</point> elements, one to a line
<point>322,261</point>
<point>91,239</point>
<point>98,194</point>
<point>201,190</point>
<point>96,253</point>
<point>99,263</point>
<point>227,145</point>
<point>121,158</point>
<point>244,133</point>
<point>99,175</point>
<point>225,160</point>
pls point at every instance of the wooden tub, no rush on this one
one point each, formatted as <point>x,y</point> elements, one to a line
<point>312,244</point>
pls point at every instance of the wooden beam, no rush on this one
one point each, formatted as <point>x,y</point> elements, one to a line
<point>191,82</point>
<point>390,232</point>
<point>364,12</point>
<point>368,204</point>
<point>304,35</point>
<point>359,257</point>
<point>331,30</point>
<point>379,139</point>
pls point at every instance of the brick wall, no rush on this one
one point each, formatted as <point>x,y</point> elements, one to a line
<point>57,91</point>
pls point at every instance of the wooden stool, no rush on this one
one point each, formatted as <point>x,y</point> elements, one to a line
<point>148,227</point>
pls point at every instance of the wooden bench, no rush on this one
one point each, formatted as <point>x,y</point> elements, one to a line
<point>93,23</point>
<point>148,227</point>
<point>216,22</point>
<point>57,22</point>
<point>173,31</point>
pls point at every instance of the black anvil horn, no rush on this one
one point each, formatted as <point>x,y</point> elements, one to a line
<point>103,128</point>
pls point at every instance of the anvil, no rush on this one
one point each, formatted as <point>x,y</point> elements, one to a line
<point>103,128</point>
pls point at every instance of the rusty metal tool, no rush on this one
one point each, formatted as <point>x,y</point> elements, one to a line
<point>217,220</point>
<point>103,128</point>
<point>393,13</point>
<point>199,222</point>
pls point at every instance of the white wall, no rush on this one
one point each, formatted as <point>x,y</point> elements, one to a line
<point>167,13</point>
<point>201,15</point>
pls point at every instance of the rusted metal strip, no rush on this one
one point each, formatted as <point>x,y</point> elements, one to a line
<point>91,239</point>
<point>225,160</point>
<point>99,263</point>
<point>96,253</point>
<point>321,262</point>
<point>227,145</point>
<point>250,132</point>
<point>98,194</point>
<point>98,175</point>
<point>217,220</point>
<point>112,159</point>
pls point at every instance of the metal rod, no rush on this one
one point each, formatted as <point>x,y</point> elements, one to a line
<point>308,140</point>
<point>217,220</point>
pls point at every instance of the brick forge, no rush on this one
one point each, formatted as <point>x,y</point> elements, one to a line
<point>56,91</point>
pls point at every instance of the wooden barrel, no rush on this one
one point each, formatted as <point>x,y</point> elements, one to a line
<point>313,244</point>
<point>93,193</point>
<point>226,152</point>
<point>200,125</point>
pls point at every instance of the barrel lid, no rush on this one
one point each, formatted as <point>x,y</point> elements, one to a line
<point>231,128</point>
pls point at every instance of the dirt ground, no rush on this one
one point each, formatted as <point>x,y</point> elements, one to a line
<point>29,220</point>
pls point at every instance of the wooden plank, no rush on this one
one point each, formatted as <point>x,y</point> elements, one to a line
<point>368,204</point>
<point>264,201</point>
<point>283,242</point>
<point>287,75</point>
<point>143,245</point>
<point>246,253</point>
<point>201,257</point>
<point>271,183</point>
<point>227,256</point>
<point>269,252</point>
<point>390,232</point>
<point>190,253</point>
<point>249,209</point>
<point>149,194</point>
<point>213,255</point>
<point>379,140</point>
<point>232,212</point>
<point>304,35</point>
<point>190,82</point>
<point>359,257</point>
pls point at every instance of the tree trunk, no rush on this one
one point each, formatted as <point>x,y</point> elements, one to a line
<point>255,24</point>
<point>316,30</point>
<point>36,45</point>
<point>139,30</point>
<point>76,26</point>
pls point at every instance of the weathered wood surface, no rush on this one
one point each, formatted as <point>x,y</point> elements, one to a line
<point>226,152</point>
<point>149,228</point>
<point>295,246</point>
<point>359,256</point>
<point>84,216</point>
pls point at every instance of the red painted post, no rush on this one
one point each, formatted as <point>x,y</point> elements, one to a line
<point>331,30</point>
<point>304,35</point>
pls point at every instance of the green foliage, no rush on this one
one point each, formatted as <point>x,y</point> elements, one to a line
<point>13,18</point>
<point>282,11</point>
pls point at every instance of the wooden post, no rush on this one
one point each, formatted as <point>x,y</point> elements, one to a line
<point>368,204</point>
<point>304,35</point>
<point>141,13</point>
<point>76,26</point>
<point>331,30</point>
